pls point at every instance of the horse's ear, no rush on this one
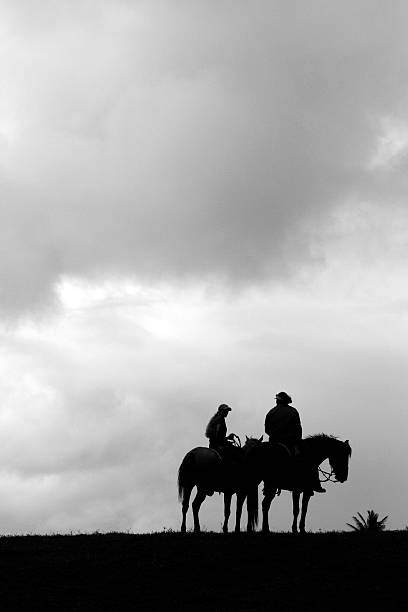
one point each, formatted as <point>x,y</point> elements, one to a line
<point>260,439</point>
<point>246,438</point>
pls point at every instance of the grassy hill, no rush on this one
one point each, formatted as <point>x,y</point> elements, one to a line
<point>212,572</point>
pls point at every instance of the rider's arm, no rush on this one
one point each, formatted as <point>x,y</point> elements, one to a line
<point>297,426</point>
<point>267,425</point>
<point>220,433</point>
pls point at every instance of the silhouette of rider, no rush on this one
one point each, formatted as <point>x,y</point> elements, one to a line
<point>282,424</point>
<point>216,430</point>
<point>216,433</point>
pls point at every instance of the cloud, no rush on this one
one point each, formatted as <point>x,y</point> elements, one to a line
<point>186,141</point>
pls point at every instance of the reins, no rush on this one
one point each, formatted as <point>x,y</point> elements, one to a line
<point>327,476</point>
<point>236,440</point>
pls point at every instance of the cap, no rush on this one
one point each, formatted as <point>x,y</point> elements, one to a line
<point>224,407</point>
<point>282,395</point>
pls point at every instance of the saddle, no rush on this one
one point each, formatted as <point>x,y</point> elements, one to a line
<point>231,458</point>
<point>290,465</point>
<point>230,453</point>
<point>295,470</point>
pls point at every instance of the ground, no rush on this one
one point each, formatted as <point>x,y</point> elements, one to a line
<point>216,572</point>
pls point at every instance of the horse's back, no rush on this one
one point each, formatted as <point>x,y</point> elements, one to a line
<point>204,457</point>
<point>201,465</point>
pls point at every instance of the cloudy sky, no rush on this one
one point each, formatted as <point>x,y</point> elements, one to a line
<point>201,202</point>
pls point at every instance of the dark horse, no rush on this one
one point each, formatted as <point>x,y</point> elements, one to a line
<point>205,469</point>
<point>271,464</point>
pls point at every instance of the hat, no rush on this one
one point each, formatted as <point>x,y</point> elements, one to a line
<point>284,397</point>
<point>224,407</point>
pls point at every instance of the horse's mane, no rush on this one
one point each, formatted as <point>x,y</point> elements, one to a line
<point>324,437</point>
<point>321,436</point>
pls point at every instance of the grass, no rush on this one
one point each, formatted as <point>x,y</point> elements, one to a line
<point>210,571</point>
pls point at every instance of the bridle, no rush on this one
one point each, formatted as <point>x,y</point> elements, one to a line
<point>328,476</point>
<point>236,441</point>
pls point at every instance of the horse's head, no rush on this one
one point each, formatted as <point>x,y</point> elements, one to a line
<point>339,457</point>
<point>250,443</point>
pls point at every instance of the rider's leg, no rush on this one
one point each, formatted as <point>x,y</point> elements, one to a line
<point>315,481</point>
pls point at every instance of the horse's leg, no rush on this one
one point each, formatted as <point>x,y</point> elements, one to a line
<point>227,510</point>
<point>198,500</point>
<point>185,504</point>
<point>252,507</point>
<point>269,494</point>
<point>241,495</point>
<point>305,503</point>
<point>295,503</point>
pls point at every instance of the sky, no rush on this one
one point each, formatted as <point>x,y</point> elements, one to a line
<point>201,203</point>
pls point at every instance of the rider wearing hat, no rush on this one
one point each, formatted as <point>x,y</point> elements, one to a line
<point>282,424</point>
<point>216,430</point>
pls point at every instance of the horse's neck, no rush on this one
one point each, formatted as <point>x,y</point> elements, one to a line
<point>249,448</point>
<point>319,451</point>
<point>253,450</point>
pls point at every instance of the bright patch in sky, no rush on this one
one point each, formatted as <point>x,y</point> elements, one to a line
<point>80,294</point>
<point>10,130</point>
<point>163,311</point>
<point>392,144</point>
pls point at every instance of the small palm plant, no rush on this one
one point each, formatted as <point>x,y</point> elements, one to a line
<point>371,523</point>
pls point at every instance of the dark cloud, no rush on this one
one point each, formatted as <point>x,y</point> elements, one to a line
<point>186,140</point>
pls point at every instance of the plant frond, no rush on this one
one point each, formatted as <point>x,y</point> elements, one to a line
<point>370,523</point>
<point>352,527</point>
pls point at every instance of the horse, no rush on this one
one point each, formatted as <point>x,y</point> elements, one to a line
<point>205,469</point>
<point>271,464</point>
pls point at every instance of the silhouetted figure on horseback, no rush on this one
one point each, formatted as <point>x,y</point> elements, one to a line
<point>216,430</point>
<point>283,426</point>
<point>218,468</point>
<point>225,445</point>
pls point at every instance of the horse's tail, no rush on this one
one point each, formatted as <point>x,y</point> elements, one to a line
<point>252,506</point>
<point>184,475</point>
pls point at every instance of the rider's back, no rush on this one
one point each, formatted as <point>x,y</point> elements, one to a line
<point>282,424</point>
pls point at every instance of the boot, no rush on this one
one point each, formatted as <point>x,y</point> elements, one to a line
<point>316,483</point>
